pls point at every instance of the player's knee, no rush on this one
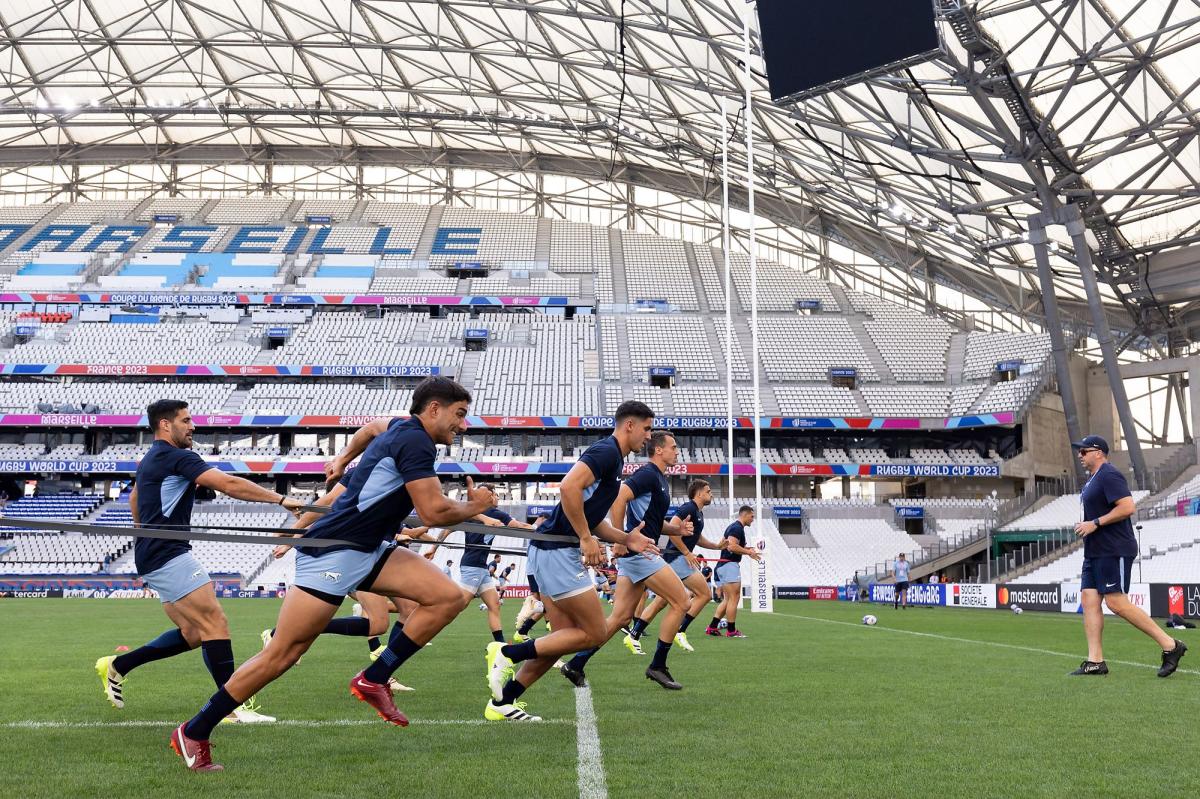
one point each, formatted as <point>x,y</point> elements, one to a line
<point>596,634</point>
<point>280,659</point>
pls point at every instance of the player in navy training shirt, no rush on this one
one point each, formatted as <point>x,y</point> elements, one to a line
<point>1109,548</point>
<point>561,569</point>
<point>679,555</point>
<point>475,575</point>
<point>395,476</point>
<point>162,496</point>
<point>728,575</point>
<point>643,502</point>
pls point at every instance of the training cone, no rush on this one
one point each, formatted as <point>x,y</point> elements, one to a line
<point>121,648</point>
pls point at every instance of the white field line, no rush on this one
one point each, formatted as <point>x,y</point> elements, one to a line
<point>592,784</point>
<point>976,642</point>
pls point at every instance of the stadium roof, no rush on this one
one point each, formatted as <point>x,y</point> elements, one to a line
<point>930,172</point>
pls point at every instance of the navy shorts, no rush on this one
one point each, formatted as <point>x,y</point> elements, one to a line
<point>1108,575</point>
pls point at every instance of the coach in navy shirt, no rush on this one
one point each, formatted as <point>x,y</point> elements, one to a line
<point>1109,548</point>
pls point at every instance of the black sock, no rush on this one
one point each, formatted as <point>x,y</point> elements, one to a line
<point>511,693</point>
<point>687,619</point>
<point>218,656</point>
<point>526,626</point>
<point>167,645</point>
<point>220,705</point>
<point>519,652</point>
<point>349,625</point>
<point>715,623</point>
<point>732,627</point>
<point>373,643</point>
<point>397,628</point>
<point>399,649</point>
<point>498,635</point>
<point>638,628</point>
<point>660,655</point>
<point>581,659</point>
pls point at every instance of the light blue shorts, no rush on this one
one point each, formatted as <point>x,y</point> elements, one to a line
<point>560,573</point>
<point>681,568</point>
<point>475,579</point>
<point>728,573</point>
<point>178,577</point>
<point>338,572</point>
<point>638,567</point>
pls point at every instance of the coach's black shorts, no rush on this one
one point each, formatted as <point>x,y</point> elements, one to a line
<point>1108,575</point>
<point>902,586</point>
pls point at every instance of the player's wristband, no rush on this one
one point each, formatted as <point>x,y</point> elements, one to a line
<point>1096,521</point>
<point>281,499</point>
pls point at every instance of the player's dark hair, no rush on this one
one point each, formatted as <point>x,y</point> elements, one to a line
<point>658,439</point>
<point>163,409</point>
<point>745,509</point>
<point>634,409</point>
<point>442,390</point>
<point>695,487</point>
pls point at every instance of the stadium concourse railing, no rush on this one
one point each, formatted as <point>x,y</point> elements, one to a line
<point>1053,543</point>
<point>1004,512</point>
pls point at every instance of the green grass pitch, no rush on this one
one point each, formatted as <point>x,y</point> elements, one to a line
<point>935,702</point>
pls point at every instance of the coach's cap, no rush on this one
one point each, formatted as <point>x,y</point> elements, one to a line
<point>1091,442</point>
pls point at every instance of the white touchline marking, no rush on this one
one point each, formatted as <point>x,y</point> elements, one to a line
<point>34,724</point>
<point>592,784</point>
<point>977,642</point>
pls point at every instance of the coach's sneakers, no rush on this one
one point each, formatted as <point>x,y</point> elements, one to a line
<point>248,713</point>
<point>499,669</point>
<point>1171,659</point>
<point>513,712</point>
<point>196,754</point>
<point>377,652</point>
<point>734,634</point>
<point>633,645</point>
<point>1089,667</point>
<point>379,697</point>
<point>663,678</point>
<point>112,680</point>
<point>681,639</point>
<point>712,631</point>
<point>574,675</point>
<point>398,686</point>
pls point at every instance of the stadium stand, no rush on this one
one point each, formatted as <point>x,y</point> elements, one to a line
<point>1060,512</point>
<point>1169,552</point>
<point>985,350</point>
<point>804,348</point>
<point>657,269</point>
<point>670,341</point>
